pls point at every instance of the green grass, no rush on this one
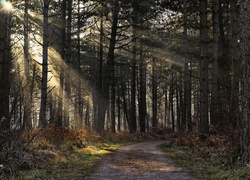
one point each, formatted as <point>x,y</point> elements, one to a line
<point>70,163</point>
<point>203,165</point>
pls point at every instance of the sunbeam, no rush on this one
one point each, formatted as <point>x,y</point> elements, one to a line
<point>6,6</point>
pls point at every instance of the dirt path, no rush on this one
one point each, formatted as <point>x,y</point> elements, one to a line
<point>139,161</point>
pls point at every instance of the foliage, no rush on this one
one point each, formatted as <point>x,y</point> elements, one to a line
<point>217,157</point>
<point>60,152</point>
<point>14,155</point>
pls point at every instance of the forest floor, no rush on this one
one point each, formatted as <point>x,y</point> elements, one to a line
<point>139,161</point>
<point>66,154</point>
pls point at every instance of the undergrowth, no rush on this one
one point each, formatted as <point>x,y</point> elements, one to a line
<point>59,153</point>
<point>64,153</point>
<point>216,157</point>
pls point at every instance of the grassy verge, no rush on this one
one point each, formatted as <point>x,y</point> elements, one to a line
<point>60,153</point>
<point>70,163</point>
<point>206,165</point>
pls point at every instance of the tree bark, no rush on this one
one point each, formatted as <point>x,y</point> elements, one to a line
<point>60,112</point>
<point>109,79</point>
<point>42,116</point>
<point>245,68</point>
<point>143,93</point>
<point>154,95</point>
<point>79,120</point>
<point>4,72</point>
<point>204,88</point>
<point>27,93</point>
<point>234,105</point>
<point>215,71</point>
<point>133,82</point>
<point>186,116</point>
<point>68,65</point>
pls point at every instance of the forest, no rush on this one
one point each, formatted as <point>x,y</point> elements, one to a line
<point>90,69</point>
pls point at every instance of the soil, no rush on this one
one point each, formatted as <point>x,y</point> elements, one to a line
<point>139,161</point>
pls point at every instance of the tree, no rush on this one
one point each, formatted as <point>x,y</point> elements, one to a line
<point>186,120</point>
<point>27,85</point>
<point>204,88</point>
<point>154,94</point>
<point>214,86</point>
<point>234,105</point>
<point>60,113</point>
<point>68,64</point>
<point>44,84</point>
<point>109,71</point>
<point>135,6</point>
<point>143,91</point>
<point>245,68</point>
<point>4,69</point>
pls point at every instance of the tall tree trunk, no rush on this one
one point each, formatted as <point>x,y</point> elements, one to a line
<point>42,116</point>
<point>109,79</point>
<point>125,106</point>
<point>143,91</point>
<point>245,57</point>
<point>166,104</point>
<point>79,80</point>
<point>68,66</point>
<point>171,101</point>
<point>118,109</point>
<point>154,95</point>
<point>224,70</point>
<point>186,116</point>
<point>27,94</point>
<point>60,113</point>
<point>87,116</point>
<point>133,82</point>
<point>101,110</point>
<point>234,105</point>
<point>204,88</point>
<point>4,72</point>
<point>214,86</point>
<point>178,99</point>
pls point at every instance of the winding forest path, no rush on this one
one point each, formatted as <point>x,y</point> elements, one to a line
<point>139,161</point>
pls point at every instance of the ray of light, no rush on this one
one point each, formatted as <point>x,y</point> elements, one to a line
<point>6,6</point>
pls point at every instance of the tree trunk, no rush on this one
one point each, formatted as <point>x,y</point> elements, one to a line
<point>60,113</point>
<point>79,78</point>
<point>118,109</point>
<point>154,95</point>
<point>101,111</point>
<point>4,72</point>
<point>27,93</point>
<point>171,101</point>
<point>42,116</point>
<point>234,105</point>
<point>68,66</point>
<point>186,116</point>
<point>224,71</point>
<point>245,56</point>
<point>166,106</point>
<point>178,93</point>
<point>109,79</point>
<point>133,82</point>
<point>214,86</point>
<point>143,93</point>
<point>203,69</point>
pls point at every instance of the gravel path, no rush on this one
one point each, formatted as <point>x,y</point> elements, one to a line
<point>139,161</point>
